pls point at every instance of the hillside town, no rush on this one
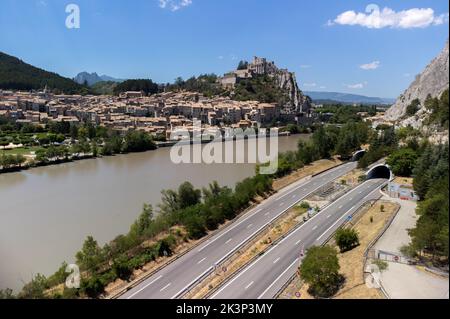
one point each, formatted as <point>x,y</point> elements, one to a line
<point>160,114</point>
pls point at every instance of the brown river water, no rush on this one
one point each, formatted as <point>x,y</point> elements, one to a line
<point>47,212</point>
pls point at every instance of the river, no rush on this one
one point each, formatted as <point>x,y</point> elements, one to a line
<point>47,212</point>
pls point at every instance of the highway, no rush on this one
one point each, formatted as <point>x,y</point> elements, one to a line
<point>173,280</point>
<point>264,277</point>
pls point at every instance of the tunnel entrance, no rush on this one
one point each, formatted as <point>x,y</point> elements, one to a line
<point>379,171</point>
<point>357,155</point>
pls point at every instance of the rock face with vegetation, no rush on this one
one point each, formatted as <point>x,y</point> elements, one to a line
<point>298,102</point>
<point>263,81</point>
<point>410,108</point>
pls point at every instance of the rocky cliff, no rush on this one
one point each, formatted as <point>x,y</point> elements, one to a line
<point>432,81</point>
<point>299,103</point>
<point>286,81</point>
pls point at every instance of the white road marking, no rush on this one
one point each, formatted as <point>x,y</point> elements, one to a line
<point>315,227</point>
<point>278,278</point>
<point>166,286</point>
<point>266,214</point>
<point>229,229</point>
<point>228,240</point>
<point>249,226</point>
<point>293,196</point>
<point>151,282</point>
<point>248,286</point>
<point>340,207</point>
<point>281,204</point>
<point>201,261</point>
<point>328,216</point>
<point>345,215</point>
<point>276,260</point>
<point>298,242</point>
<point>268,252</point>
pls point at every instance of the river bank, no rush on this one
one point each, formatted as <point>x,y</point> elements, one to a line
<point>48,211</point>
<point>31,161</point>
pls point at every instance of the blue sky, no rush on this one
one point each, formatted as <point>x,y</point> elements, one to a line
<point>331,45</point>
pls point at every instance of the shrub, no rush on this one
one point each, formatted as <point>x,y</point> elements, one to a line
<point>320,270</point>
<point>93,287</point>
<point>346,239</point>
<point>121,268</point>
<point>381,264</point>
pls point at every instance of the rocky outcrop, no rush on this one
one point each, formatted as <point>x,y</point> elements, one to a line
<point>298,102</point>
<point>432,81</point>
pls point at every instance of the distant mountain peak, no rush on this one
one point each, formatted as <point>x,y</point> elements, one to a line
<point>322,96</point>
<point>93,78</point>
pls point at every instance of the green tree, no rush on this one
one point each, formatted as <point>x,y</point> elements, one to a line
<point>320,270</point>
<point>35,289</point>
<point>93,286</point>
<point>323,142</point>
<point>346,239</point>
<point>7,294</point>
<point>121,268</point>
<point>90,255</point>
<point>413,107</point>
<point>402,161</point>
<point>431,232</point>
<point>138,141</point>
<point>188,195</point>
<point>143,222</point>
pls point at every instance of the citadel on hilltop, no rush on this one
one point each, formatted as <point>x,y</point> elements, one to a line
<point>298,103</point>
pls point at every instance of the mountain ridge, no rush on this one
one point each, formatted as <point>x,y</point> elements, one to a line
<point>93,78</point>
<point>347,98</point>
<point>16,74</point>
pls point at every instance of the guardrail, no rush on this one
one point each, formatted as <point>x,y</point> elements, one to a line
<point>292,278</point>
<point>179,255</point>
<point>208,271</point>
<point>276,242</point>
<point>249,240</point>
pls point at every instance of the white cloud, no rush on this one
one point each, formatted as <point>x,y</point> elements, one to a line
<point>220,57</point>
<point>305,66</point>
<point>174,5</point>
<point>374,18</point>
<point>356,85</point>
<point>310,85</point>
<point>407,75</point>
<point>370,66</point>
<point>41,3</point>
<point>322,87</point>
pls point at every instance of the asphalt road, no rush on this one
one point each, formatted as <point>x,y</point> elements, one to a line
<point>173,280</point>
<point>263,278</point>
